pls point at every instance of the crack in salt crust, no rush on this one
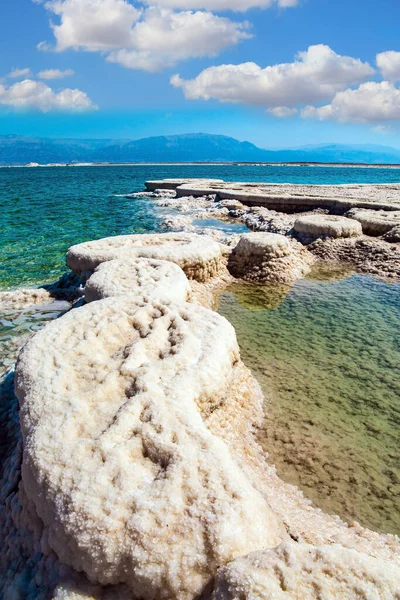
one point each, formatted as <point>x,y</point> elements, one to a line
<point>118,460</point>
<point>199,257</point>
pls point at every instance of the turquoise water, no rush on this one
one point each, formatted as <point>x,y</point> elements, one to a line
<point>45,210</point>
<point>326,352</point>
<point>327,355</point>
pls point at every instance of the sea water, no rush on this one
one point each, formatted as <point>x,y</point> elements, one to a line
<point>326,351</point>
<point>327,355</point>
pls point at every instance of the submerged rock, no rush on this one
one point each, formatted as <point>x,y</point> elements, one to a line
<point>269,257</point>
<point>200,259</point>
<point>295,571</point>
<point>118,459</point>
<point>308,228</point>
<point>156,279</point>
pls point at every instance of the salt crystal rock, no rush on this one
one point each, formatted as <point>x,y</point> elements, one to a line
<point>375,222</point>
<point>393,235</point>
<point>295,571</point>
<point>199,257</point>
<point>23,298</point>
<point>312,227</point>
<point>118,460</point>
<point>269,257</point>
<point>157,279</point>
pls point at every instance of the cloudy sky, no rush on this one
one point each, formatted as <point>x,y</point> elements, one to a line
<point>276,72</point>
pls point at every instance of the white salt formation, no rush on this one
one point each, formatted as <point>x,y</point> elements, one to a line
<point>375,222</point>
<point>295,571</point>
<point>311,227</point>
<point>200,258</point>
<point>269,257</point>
<point>155,279</point>
<point>118,460</point>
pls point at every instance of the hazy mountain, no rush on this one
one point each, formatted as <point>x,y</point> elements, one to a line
<point>196,147</point>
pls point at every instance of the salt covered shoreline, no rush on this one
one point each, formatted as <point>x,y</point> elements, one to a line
<point>141,476</point>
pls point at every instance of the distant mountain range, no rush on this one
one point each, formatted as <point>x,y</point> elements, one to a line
<point>196,147</point>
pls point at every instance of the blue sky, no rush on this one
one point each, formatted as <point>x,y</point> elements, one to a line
<point>103,68</point>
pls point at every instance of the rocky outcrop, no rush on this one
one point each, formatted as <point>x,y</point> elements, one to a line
<point>269,257</point>
<point>367,255</point>
<point>199,258</point>
<point>141,476</point>
<point>309,228</point>
<point>154,279</point>
<point>375,222</point>
<point>299,571</point>
<point>118,459</point>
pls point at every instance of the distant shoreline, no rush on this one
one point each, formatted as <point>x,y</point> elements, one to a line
<point>210,164</point>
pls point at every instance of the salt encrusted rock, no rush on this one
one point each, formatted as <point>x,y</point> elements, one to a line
<point>200,258</point>
<point>155,279</point>
<point>295,571</point>
<point>269,257</point>
<point>393,235</point>
<point>24,297</point>
<point>368,255</point>
<point>311,227</point>
<point>375,222</point>
<point>118,461</point>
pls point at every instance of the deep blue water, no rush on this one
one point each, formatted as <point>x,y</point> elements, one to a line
<point>45,210</point>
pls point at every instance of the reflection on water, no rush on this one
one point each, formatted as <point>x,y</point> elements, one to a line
<point>327,356</point>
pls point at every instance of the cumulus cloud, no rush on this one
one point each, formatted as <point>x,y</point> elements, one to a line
<point>370,103</point>
<point>316,75</point>
<point>149,39</point>
<point>389,64</point>
<point>94,25</point>
<point>37,95</point>
<point>55,73</point>
<point>219,5</point>
<point>164,38</point>
<point>19,73</point>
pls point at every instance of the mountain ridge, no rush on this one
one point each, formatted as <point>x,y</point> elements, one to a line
<point>192,147</point>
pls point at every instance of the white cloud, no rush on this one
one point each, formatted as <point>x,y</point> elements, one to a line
<point>219,5</point>
<point>315,75</point>
<point>384,129</point>
<point>389,64</point>
<point>372,102</point>
<point>19,73</point>
<point>55,74</point>
<point>149,39</point>
<point>283,112</point>
<point>43,47</point>
<point>94,25</point>
<point>164,38</point>
<point>37,95</point>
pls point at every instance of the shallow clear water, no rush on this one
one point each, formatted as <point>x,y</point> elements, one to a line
<point>327,355</point>
<point>45,210</point>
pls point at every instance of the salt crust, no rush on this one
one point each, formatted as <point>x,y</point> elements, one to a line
<point>118,460</point>
<point>199,257</point>
<point>269,257</point>
<point>302,572</point>
<point>156,279</point>
<point>375,222</point>
<point>312,227</point>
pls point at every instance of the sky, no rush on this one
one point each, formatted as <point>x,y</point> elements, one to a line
<point>278,73</point>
